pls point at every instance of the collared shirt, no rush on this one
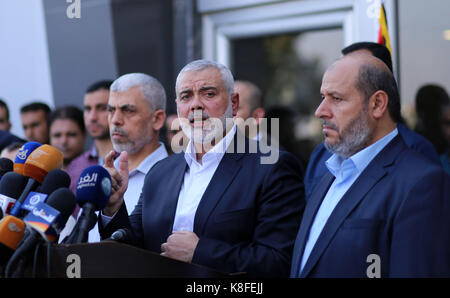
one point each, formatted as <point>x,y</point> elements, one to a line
<point>135,183</point>
<point>74,169</point>
<point>345,171</point>
<point>196,180</point>
<point>137,176</point>
<point>79,164</point>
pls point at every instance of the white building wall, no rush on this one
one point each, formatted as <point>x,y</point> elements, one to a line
<point>24,61</point>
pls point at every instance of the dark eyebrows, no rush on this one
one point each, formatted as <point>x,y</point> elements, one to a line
<point>207,88</point>
<point>186,91</point>
<point>202,89</point>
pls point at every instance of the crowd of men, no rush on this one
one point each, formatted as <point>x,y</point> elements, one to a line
<point>208,196</point>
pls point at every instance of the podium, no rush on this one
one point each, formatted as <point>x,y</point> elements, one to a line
<point>111,260</point>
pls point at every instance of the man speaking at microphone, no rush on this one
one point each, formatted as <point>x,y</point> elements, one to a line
<point>213,205</point>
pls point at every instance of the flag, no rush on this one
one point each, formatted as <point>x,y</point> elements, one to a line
<point>383,33</point>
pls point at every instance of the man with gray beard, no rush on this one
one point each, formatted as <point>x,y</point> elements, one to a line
<point>136,113</point>
<point>382,210</point>
<point>216,204</point>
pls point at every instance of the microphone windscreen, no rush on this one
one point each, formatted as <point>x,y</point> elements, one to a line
<point>94,186</point>
<point>12,184</point>
<point>6,165</point>
<point>23,154</point>
<point>62,200</point>
<point>41,161</point>
<point>55,179</point>
<point>11,231</point>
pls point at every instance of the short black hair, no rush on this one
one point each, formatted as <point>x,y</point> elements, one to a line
<point>5,106</point>
<point>105,84</point>
<point>377,50</point>
<point>68,112</point>
<point>372,78</point>
<point>36,106</point>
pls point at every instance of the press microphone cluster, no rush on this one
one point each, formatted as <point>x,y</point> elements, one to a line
<point>92,194</point>
<point>35,202</point>
<point>46,222</point>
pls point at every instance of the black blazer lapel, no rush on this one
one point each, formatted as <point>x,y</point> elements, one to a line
<point>225,173</point>
<point>173,184</point>
<point>368,178</point>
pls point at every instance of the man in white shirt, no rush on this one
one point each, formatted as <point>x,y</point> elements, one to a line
<point>217,204</point>
<point>136,113</point>
<point>136,108</point>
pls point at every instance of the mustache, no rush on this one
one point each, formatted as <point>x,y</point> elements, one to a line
<point>330,124</point>
<point>198,114</point>
<point>118,130</point>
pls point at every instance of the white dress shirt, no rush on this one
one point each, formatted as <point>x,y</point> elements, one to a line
<point>196,180</point>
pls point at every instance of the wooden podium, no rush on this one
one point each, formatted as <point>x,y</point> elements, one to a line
<point>111,260</point>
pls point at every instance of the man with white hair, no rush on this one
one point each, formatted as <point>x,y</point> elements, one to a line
<point>216,204</point>
<point>136,113</point>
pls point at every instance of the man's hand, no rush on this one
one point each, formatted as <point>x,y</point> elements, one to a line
<point>180,246</point>
<point>119,181</point>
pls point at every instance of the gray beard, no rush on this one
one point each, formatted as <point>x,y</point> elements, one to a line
<point>216,131</point>
<point>132,147</point>
<point>354,138</point>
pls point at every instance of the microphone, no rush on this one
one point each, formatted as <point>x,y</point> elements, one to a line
<point>41,161</point>
<point>93,191</point>
<point>121,235</point>
<point>55,179</point>
<point>46,220</point>
<point>23,154</point>
<point>6,165</point>
<point>11,187</point>
<point>11,233</point>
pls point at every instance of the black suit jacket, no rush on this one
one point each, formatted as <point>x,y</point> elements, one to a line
<point>246,220</point>
<point>397,209</point>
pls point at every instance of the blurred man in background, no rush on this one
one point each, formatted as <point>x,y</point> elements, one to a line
<point>34,118</point>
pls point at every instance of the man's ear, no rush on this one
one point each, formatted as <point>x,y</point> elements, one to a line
<point>158,119</point>
<point>258,114</point>
<point>378,104</point>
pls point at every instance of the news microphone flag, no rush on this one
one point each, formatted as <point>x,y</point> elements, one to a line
<point>94,187</point>
<point>50,218</point>
<point>45,220</point>
<point>93,191</point>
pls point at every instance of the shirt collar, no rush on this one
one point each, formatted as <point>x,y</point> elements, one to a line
<point>360,160</point>
<point>149,161</point>
<point>215,154</point>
